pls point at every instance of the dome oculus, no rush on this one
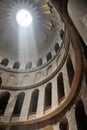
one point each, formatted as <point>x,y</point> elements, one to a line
<point>24,18</point>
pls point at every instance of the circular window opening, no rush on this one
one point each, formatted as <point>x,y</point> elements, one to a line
<point>24,18</point>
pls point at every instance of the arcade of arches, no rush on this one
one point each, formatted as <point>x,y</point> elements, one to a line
<point>43,67</point>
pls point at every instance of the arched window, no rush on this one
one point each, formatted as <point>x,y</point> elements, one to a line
<point>60,87</point>
<point>4,97</point>
<point>16,65</point>
<point>19,103</point>
<point>70,69</point>
<point>56,47</point>
<point>0,81</point>
<point>28,65</point>
<point>11,81</point>
<point>61,34</point>
<point>81,117</point>
<point>48,96</point>
<point>49,56</point>
<point>25,80</point>
<point>38,77</point>
<point>4,62</point>
<point>39,62</point>
<point>34,102</point>
<point>63,125</point>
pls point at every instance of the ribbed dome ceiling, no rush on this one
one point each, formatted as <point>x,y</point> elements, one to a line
<point>33,42</point>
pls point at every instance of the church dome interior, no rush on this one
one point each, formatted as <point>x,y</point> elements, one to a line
<point>34,44</point>
<point>43,65</point>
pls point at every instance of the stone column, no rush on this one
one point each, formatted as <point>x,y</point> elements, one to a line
<point>9,108</point>
<point>66,81</point>
<point>72,119</point>
<point>40,106</point>
<point>54,93</point>
<point>25,107</point>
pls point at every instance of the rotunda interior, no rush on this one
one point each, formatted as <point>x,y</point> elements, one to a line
<point>43,65</point>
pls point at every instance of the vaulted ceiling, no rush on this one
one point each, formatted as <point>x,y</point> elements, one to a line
<point>33,42</point>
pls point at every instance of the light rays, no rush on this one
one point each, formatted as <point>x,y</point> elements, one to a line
<point>27,45</point>
<point>32,40</point>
